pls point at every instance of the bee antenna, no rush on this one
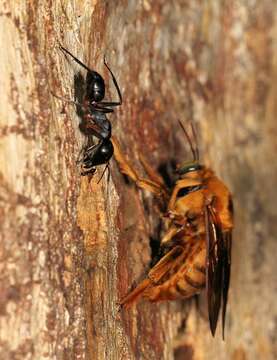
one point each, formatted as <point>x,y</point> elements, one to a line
<point>195,140</point>
<point>195,154</point>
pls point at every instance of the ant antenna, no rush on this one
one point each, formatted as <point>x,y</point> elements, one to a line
<point>74,58</point>
<point>194,153</point>
<point>114,79</point>
<point>106,167</point>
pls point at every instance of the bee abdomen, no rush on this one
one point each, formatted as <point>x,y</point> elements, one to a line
<point>182,289</point>
<point>190,284</point>
<point>197,284</point>
<point>200,268</point>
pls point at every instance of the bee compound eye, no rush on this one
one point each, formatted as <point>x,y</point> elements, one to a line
<point>189,168</point>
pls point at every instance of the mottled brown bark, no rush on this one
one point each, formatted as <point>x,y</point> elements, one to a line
<point>70,248</point>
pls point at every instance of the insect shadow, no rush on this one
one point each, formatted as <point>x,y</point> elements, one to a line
<point>79,94</point>
<point>79,84</point>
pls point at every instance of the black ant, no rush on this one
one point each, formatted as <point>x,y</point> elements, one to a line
<point>96,121</point>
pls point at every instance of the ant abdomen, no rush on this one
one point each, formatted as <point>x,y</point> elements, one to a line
<point>97,155</point>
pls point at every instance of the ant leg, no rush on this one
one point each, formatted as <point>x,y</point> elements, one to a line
<point>101,109</point>
<point>67,100</point>
<point>80,156</point>
<point>115,84</point>
<point>93,148</point>
<point>106,167</point>
<point>88,151</point>
<point>107,103</point>
<point>84,150</point>
<point>127,169</point>
<point>87,171</point>
<point>94,129</point>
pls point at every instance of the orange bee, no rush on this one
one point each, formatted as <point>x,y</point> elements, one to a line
<point>198,237</point>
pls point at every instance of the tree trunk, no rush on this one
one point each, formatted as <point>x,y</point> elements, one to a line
<point>71,247</point>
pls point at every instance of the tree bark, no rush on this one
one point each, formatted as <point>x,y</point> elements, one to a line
<point>71,247</point>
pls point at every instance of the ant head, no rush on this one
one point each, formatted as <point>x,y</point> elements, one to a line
<point>95,86</point>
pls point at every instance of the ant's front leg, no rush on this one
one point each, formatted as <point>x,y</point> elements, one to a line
<point>83,162</point>
<point>84,151</point>
<point>105,110</point>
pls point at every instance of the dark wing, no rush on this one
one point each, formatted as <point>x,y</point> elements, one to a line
<point>215,269</point>
<point>227,246</point>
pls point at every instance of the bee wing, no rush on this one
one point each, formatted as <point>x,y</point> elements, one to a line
<point>227,246</point>
<point>214,266</point>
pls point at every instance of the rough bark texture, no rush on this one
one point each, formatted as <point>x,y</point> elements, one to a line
<point>70,248</point>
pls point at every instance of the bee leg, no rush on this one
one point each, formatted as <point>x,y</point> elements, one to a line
<point>152,173</point>
<point>128,170</point>
<point>172,231</point>
<point>172,201</point>
<point>155,274</point>
<point>135,295</point>
<point>181,184</point>
<point>166,263</point>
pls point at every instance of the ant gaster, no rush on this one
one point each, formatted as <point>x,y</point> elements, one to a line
<point>100,153</point>
<point>96,121</point>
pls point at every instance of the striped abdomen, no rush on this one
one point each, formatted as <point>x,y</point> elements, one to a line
<point>186,279</point>
<point>179,274</point>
